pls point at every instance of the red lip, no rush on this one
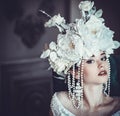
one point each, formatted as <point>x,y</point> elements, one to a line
<point>102,73</point>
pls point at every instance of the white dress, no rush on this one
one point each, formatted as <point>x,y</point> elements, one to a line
<point>59,110</point>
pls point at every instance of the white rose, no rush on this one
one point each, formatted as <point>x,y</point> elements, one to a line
<point>94,24</point>
<point>79,47</point>
<point>63,42</point>
<point>86,5</point>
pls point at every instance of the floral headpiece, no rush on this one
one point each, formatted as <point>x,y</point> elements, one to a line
<point>85,37</point>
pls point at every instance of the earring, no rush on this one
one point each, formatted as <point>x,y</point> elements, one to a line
<point>106,86</point>
<point>105,89</point>
<point>76,89</point>
<point>82,76</point>
<point>69,84</point>
<point>109,82</point>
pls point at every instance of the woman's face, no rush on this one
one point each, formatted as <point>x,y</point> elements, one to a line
<point>96,69</point>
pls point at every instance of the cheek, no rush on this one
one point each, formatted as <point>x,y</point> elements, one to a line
<point>107,66</point>
<point>90,71</point>
<point>87,73</point>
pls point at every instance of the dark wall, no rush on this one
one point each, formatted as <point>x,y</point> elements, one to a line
<point>22,32</point>
<point>25,81</point>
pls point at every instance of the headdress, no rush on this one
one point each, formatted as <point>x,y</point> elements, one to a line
<point>79,40</point>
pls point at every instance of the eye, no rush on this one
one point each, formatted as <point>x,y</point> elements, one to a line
<point>90,61</point>
<point>104,58</point>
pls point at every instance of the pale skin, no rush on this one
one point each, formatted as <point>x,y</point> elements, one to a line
<point>95,103</point>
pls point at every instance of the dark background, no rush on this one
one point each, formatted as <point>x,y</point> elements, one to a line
<point>26,84</point>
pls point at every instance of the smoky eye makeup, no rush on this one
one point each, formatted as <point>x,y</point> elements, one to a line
<point>104,58</point>
<point>90,61</point>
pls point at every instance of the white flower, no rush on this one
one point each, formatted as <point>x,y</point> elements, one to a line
<point>94,24</point>
<point>55,21</point>
<point>53,46</point>
<point>116,44</point>
<point>79,47</point>
<point>99,13</point>
<point>81,39</point>
<point>86,5</point>
<point>53,56</point>
<point>60,65</point>
<point>45,54</point>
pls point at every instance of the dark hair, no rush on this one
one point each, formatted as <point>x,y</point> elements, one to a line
<point>115,75</point>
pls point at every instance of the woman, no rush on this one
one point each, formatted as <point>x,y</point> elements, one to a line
<point>95,101</point>
<point>81,55</point>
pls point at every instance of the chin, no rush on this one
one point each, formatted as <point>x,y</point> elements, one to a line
<point>103,78</point>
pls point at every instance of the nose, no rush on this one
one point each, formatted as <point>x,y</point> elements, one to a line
<point>100,65</point>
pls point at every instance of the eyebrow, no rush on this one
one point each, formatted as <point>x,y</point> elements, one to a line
<point>103,53</point>
<point>100,54</point>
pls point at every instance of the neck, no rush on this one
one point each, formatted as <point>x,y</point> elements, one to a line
<point>93,96</point>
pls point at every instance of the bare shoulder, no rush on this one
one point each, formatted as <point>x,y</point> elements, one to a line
<point>62,95</point>
<point>63,98</point>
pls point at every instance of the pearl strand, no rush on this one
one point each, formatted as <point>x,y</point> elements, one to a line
<point>73,86</point>
<point>69,84</point>
<point>77,94</point>
<point>109,82</point>
<point>82,71</point>
<point>78,88</point>
<point>73,77</point>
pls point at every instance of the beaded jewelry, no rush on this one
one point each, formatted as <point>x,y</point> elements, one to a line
<point>76,89</point>
<point>106,86</point>
<point>108,82</point>
<point>79,40</point>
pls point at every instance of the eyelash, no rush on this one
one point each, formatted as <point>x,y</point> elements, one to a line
<point>90,61</point>
<point>104,58</point>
